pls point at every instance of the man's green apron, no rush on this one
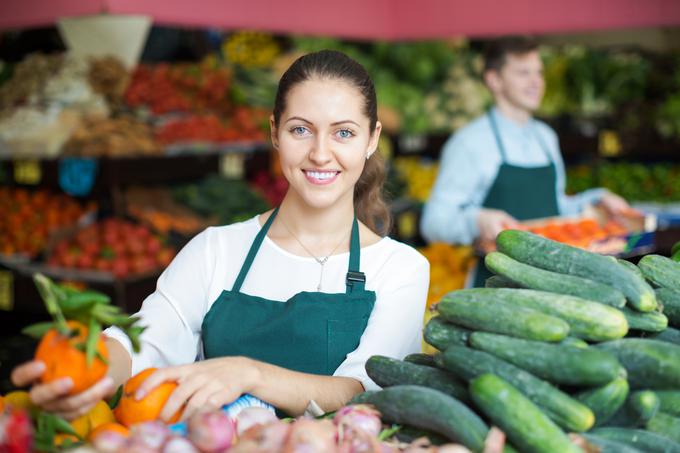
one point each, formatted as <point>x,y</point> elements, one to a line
<point>523,192</point>
<point>312,332</point>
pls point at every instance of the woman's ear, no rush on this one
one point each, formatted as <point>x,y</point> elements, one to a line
<point>273,132</point>
<point>375,138</point>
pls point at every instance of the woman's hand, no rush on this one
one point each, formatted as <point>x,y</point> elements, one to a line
<point>617,207</point>
<point>205,385</point>
<point>54,396</point>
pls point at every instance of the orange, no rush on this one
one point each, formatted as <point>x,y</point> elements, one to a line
<point>100,414</point>
<point>63,359</point>
<point>19,400</point>
<point>130,411</point>
<point>109,427</point>
<point>61,438</point>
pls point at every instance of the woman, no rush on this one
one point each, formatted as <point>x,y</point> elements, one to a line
<point>289,305</point>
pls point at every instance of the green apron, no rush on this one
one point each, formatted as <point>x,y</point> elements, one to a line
<point>312,332</point>
<point>523,192</point>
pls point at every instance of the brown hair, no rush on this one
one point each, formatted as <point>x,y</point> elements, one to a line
<point>497,51</point>
<point>369,205</point>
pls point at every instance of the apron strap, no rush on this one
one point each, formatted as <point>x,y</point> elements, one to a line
<point>356,279</point>
<point>253,251</point>
<point>497,135</point>
<point>543,146</point>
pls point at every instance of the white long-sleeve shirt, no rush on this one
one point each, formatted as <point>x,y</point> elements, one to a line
<point>210,262</point>
<point>469,164</point>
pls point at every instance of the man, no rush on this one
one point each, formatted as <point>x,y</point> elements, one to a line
<point>505,166</point>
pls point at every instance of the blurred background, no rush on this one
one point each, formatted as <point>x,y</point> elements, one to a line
<point>126,127</point>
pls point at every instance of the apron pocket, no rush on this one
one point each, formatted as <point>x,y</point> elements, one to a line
<point>343,338</point>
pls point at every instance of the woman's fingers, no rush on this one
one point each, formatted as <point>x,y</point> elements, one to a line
<point>43,394</point>
<point>179,397</point>
<point>86,398</point>
<point>172,374</point>
<point>27,373</point>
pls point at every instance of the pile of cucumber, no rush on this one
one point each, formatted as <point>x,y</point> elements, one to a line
<point>560,341</point>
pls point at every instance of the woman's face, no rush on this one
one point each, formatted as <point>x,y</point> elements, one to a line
<point>323,138</point>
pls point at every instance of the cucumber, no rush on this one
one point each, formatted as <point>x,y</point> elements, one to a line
<point>661,271</point>
<point>496,281</point>
<point>540,279</point>
<point>587,320</point>
<point>639,408</point>
<point>675,249</point>
<point>670,401</point>
<point>388,372</point>
<point>420,359</point>
<point>485,312</point>
<point>430,409</point>
<point>604,401</point>
<point>670,335</point>
<point>574,342</point>
<point>408,434</point>
<point>630,266</point>
<point>670,299</point>
<point>638,438</point>
<point>610,446</point>
<point>523,422</point>
<point>532,249</point>
<point>651,321</point>
<point>650,364</point>
<point>665,425</point>
<point>469,364</point>
<point>553,362</point>
<point>441,334</point>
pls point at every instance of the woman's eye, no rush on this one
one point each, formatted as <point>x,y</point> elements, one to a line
<point>345,133</point>
<point>299,130</point>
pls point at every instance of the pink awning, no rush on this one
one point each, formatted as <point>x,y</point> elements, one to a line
<point>365,19</point>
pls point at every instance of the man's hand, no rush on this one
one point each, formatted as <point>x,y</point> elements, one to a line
<point>617,207</point>
<point>493,221</point>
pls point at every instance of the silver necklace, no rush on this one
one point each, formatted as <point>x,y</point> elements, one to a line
<point>322,260</point>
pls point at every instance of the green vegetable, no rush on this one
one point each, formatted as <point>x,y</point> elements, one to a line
<point>661,271</point>
<point>651,321</point>
<point>388,372</point>
<point>665,425</point>
<point>610,446</point>
<point>497,281</point>
<point>555,363</point>
<point>669,401</point>
<point>441,334</point>
<point>604,401</point>
<point>669,335</point>
<point>430,409</point>
<point>532,277</point>
<point>540,252</point>
<point>639,408</point>
<point>670,299</point>
<point>469,364</point>
<point>420,359</point>
<point>480,309</point>
<point>638,438</point>
<point>525,424</point>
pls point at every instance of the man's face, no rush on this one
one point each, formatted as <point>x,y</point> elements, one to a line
<point>520,81</point>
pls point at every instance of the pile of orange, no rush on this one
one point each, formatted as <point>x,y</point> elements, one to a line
<point>63,358</point>
<point>130,411</point>
<point>580,233</point>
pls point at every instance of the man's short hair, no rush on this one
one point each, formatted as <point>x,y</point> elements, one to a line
<point>497,51</point>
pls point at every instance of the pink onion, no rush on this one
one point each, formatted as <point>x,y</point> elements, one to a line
<point>109,442</point>
<point>151,434</point>
<point>179,445</point>
<point>212,432</point>
<point>311,436</point>
<point>251,416</point>
<point>358,416</point>
<point>263,438</point>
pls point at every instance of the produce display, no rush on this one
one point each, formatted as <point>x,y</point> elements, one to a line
<point>244,125</point>
<point>114,246</point>
<point>565,350</point>
<point>419,176</point>
<point>227,200</point>
<point>30,218</point>
<point>117,137</point>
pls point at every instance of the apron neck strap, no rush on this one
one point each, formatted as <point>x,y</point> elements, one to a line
<point>355,280</point>
<point>499,142</point>
<point>253,251</point>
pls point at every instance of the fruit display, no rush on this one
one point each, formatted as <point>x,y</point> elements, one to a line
<point>114,246</point>
<point>250,49</point>
<point>633,181</point>
<point>449,267</point>
<point>156,208</point>
<point>272,187</point>
<point>245,125</point>
<point>420,175</point>
<point>116,137</point>
<point>30,218</point>
<point>564,350</point>
<point>227,200</point>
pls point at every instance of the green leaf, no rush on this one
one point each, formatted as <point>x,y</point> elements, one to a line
<point>94,330</point>
<point>62,426</point>
<point>115,399</point>
<point>44,286</point>
<point>389,432</point>
<point>38,330</point>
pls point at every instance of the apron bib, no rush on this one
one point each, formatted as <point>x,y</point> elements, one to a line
<point>523,192</point>
<point>312,332</point>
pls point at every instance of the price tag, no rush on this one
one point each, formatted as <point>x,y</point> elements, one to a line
<point>27,172</point>
<point>77,175</point>
<point>6,290</point>
<point>232,165</point>
<point>407,225</point>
